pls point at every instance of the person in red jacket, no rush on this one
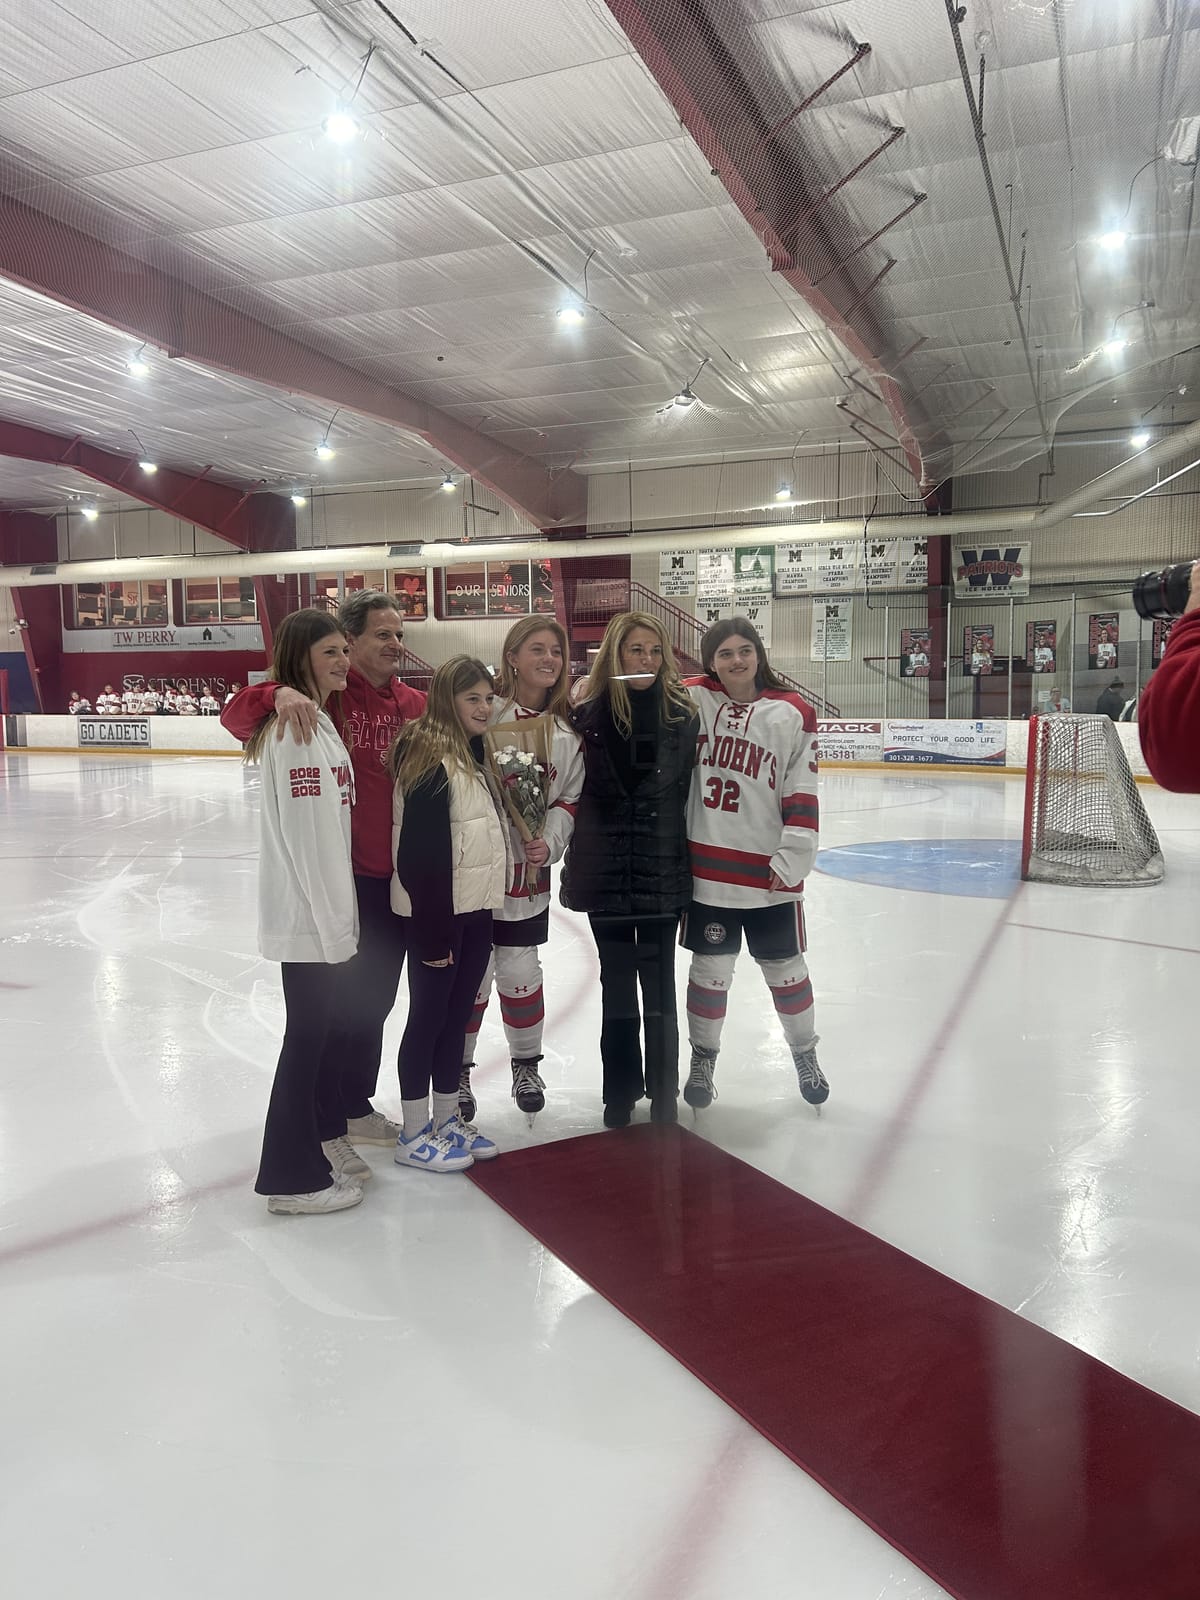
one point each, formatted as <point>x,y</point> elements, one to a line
<point>369,714</point>
<point>1169,711</point>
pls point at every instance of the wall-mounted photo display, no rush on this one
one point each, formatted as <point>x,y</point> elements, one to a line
<point>1041,646</point>
<point>916,652</point>
<point>1162,633</point>
<point>410,585</point>
<point>979,651</point>
<point>496,589</point>
<point>1104,635</point>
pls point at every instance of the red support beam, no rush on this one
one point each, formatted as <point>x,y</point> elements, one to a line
<point>250,521</point>
<point>94,277</point>
<point>700,78</point>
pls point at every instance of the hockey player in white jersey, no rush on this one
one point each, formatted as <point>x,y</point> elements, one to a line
<point>752,834</point>
<point>533,680</point>
<point>131,701</point>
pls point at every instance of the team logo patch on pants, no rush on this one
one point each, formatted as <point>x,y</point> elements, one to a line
<point>714,933</point>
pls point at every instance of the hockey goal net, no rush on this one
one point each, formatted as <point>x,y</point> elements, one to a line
<point>1084,819</point>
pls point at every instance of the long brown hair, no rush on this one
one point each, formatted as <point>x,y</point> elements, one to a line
<point>422,745</point>
<point>557,703</point>
<point>294,639</point>
<point>742,628</point>
<point>605,675</point>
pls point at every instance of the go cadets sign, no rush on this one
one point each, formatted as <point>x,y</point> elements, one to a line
<point>991,569</point>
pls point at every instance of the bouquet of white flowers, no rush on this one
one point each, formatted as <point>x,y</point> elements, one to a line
<point>520,756</point>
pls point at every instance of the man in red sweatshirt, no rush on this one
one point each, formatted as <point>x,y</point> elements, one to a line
<point>373,708</point>
<point>1169,710</point>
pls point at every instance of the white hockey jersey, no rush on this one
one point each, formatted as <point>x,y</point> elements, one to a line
<point>307,908</point>
<point>108,705</point>
<point>528,894</point>
<point>151,702</point>
<point>131,702</point>
<point>752,807</point>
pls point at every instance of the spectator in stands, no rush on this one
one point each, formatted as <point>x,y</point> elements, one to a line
<point>1169,712</point>
<point>77,705</point>
<point>627,864</point>
<point>371,712</point>
<point>1112,702</point>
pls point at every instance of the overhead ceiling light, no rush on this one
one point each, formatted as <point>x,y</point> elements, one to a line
<point>340,127</point>
<point>684,398</point>
<point>448,484</point>
<point>136,367</point>
<point>1115,346</point>
<point>1140,440</point>
<point>784,492</point>
<point>325,451</point>
<point>149,467</point>
<point>90,514</point>
<point>299,499</point>
<point>1116,240</point>
<point>569,316</point>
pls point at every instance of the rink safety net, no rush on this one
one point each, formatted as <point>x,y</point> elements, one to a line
<point>1085,823</point>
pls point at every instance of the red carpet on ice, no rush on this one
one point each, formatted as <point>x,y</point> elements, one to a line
<point>1004,1462</point>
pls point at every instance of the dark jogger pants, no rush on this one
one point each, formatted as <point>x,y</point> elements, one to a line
<point>638,951</point>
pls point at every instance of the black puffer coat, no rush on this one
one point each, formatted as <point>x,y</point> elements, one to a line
<point>628,855</point>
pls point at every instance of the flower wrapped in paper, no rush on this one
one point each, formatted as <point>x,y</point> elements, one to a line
<point>519,753</point>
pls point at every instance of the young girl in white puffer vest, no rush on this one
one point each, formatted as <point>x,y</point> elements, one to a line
<point>452,864</point>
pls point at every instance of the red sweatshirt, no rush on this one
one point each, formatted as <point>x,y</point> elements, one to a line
<point>1169,711</point>
<point>369,719</point>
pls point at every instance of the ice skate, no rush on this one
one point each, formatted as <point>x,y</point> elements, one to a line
<point>814,1085</point>
<point>466,1095</point>
<point>529,1091</point>
<point>698,1091</point>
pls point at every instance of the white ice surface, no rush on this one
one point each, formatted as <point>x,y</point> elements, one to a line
<point>202,1400</point>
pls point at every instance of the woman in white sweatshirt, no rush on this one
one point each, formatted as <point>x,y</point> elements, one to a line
<point>533,682</point>
<point>452,861</point>
<point>307,921</point>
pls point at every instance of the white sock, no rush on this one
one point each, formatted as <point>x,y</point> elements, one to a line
<point>444,1107</point>
<point>416,1115</point>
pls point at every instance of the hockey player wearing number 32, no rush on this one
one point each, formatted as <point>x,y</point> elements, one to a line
<point>752,835</point>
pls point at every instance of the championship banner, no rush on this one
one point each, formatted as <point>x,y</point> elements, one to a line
<point>1162,634</point>
<point>1104,635</point>
<point>795,569</point>
<point>979,651</point>
<point>756,608</point>
<point>837,567</point>
<point>832,622</point>
<point>714,575</point>
<point>992,569</point>
<point>753,571</point>
<point>977,744</point>
<point>879,567</point>
<point>850,741</point>
<point>677,574</point>
<point>1041,646</point>
<point>914,563</point>
<point>916,652</point>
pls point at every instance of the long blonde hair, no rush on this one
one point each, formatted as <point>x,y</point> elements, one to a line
<point>557,704</point>
<point>422,745</point>
<point>605,674</point>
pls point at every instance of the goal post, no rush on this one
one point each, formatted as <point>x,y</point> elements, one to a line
<point>1085,823</point>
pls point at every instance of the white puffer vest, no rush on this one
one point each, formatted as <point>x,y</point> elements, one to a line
<point>480,854</point>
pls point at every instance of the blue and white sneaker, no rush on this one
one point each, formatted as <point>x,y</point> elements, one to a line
<point>433,1151</point>
<point>466,1136</point>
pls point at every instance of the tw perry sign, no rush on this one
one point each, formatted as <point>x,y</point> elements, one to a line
<point>202,636</point>
<point>992,569</point>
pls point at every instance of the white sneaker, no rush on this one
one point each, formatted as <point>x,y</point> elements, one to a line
<point>345,1159</point>
<point>433,1151</point>
<point>374,1128</point>
<point>467,1137</point>
<point>339,1196</point>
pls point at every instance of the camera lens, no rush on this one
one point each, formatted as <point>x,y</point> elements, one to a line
<point>1160,595</point>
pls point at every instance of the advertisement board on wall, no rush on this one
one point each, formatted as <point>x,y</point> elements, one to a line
<point>980,744</point>
<point>212,636</point>
<point>850,741</point>
<point>113,730</point>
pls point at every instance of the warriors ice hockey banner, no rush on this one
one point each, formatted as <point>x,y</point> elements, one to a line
<point>991,569</point>
<point>979,651</point>
<point>831,629</point>
<point>1104,634</point>
<point>916,652</point>
<point>1041,646</point>
<point>677,574</point>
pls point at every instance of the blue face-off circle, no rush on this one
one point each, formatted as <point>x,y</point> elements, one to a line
<point>985,869</point>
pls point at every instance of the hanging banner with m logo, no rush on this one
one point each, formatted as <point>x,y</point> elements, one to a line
<point>991,569</point>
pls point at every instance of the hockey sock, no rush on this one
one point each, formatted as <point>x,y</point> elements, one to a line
<point>523,1015</point>
<point>791,993</point>
<point>708,999</point>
